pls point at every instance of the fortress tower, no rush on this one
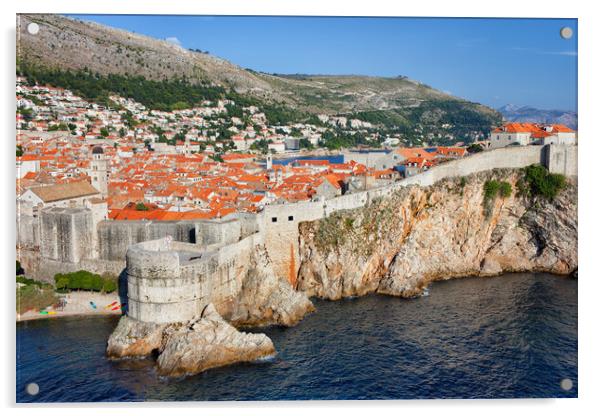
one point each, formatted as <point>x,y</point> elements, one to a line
<point>99,171</point>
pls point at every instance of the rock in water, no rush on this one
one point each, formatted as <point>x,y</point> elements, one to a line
<point>132,338</point>
<point>210,342</point>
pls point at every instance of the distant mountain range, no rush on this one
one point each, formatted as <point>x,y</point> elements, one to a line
<point>528,114</point>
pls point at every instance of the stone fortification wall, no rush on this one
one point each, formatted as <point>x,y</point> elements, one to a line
<point>114,237</point>
<point>170,281</point>
<point>44,269</point>
<point>28,228</point>
<point>280,225</point>
<point>156,291</point>
<point>282,237</point>
<point>509,157</point>
<point>65,235</point>
<point>561,159</point>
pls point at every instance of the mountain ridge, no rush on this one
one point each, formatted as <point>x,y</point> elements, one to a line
<point>530,114</point>
<point>73,44</point>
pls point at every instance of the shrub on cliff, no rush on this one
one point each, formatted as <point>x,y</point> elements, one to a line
<point>491,189</point>
<point>494,188</point>
<point>505,189</point>
<point>538,181</point>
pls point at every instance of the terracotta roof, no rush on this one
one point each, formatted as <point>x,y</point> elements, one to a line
<point>64,191</point>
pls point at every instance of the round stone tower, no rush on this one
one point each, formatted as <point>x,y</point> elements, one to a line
<point>164,285</point>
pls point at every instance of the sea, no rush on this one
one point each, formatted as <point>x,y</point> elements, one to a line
<point>330,158</point>
<point>512,336</point>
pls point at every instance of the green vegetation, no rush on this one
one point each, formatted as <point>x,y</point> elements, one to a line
<point>493,188</point>
<point>141,207</point>
<point>58,127</point>
<point>27,113</point>
<point>158,95</point>
<point>26,281</point>
<point>331,232</point>
<point>305,144</point>
<point>19,150</point>
<point>505,189</point>
<point>537,181</point>
<point>85,280</point>
<point>337,139</point>
<point>33,296</point>
<point>392,118</point>
<point>474,148</point>
<point>165,95</point>
<point>425,121</point>
<point>362,230</point>
<point>260,145</point>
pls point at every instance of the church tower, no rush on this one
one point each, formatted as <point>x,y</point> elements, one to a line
<point>99,171</point>
<point>268,163</point>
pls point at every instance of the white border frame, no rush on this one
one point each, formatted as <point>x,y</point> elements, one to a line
<point>590,200</point>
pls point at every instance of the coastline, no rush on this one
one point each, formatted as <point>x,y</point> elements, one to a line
<point>78,304</point>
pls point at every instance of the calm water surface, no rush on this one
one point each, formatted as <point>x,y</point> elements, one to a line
<point>509,336</point>
<point>331,159</point>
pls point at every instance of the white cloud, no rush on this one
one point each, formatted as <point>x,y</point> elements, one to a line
<point>174,40</point>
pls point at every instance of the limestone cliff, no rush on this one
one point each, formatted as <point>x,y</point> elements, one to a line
<point>398,245</point>
<point>267,299</point>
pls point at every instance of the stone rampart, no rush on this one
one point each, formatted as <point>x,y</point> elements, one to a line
<point>171,281</point>
<point>66,235</point>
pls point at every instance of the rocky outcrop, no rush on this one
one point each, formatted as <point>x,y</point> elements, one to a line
<point>210,342</point>
<point>132,338</point>
<point>188,348</point>
<point>398,245</point>
<point>266,299</point>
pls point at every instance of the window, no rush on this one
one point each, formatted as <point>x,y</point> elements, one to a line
<point>290,217</point>
<point>274,219</point>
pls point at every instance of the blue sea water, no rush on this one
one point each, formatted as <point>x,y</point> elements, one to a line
<point>331,159</point>
<point>503,337</point>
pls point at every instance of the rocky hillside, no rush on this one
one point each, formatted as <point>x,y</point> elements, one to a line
<point>71,44</point>
<point>398,245</point>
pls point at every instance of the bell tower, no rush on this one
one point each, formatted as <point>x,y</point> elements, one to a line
<point>99,171</point>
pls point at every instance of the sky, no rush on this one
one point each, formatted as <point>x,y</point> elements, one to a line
<point>524,62</point>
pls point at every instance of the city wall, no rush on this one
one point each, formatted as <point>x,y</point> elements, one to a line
<point>64,241</point>
<point>282,239</point>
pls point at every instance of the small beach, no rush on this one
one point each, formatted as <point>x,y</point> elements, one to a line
<point>78,303</point>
